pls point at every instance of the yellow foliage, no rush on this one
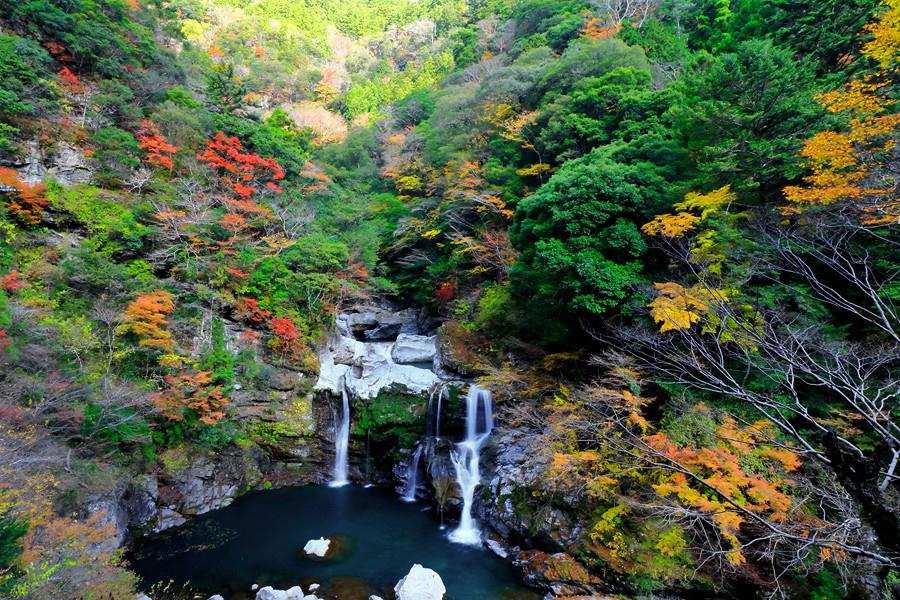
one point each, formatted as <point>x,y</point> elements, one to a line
<point>706,203</point>
<point>670,225</point>
<point>683,222</point>
<point>884,46</point>
<point>677,307</point>
<point>534,170</point>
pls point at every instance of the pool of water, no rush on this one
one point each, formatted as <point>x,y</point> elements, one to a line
<point>258,539</point>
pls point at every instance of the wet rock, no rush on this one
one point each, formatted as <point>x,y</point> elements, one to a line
<point>420,584</point>
<point>411,349</point>
<point>557,573</point>
<point>270,593</point>
<point>367,369</point>
<point>216,597</point>
<point>295,593</point>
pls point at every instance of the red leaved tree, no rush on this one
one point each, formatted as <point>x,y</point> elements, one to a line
<point>27,202</point>
<point>159,151</point>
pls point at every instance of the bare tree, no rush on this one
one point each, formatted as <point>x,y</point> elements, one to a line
<point>619,11</point>
<point>823,392</point>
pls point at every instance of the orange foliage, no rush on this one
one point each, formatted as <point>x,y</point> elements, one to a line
<point>146,318</point>
<point>719,479</point>
<point>247,309</point>
<point>850,165</point>
<point>159,151</point>
<point>28,202</point>
<point>12,281</point>
<point>191,391</point>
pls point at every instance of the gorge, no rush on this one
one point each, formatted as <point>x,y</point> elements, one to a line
<point>449,299</point>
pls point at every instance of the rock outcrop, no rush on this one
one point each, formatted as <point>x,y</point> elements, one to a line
<point>420,584</point>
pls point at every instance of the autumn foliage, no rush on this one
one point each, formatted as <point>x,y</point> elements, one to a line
<point>244,172</point>
<point>146,316</point>
<point>191,391</point>
<point>159,152</point>
<point>26,202</point>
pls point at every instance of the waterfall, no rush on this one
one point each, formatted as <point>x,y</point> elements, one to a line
<point>341,441</point>
<point>433,419</point>
<point>412,473</point>
<point>437,428</point>
<point>479,422</point>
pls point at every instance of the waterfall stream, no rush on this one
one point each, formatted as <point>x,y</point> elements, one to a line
<point>341,441</point>
<point>479,422</point>
<point>412,475</point>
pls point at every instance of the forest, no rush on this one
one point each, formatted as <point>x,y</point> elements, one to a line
<point>663,233</point>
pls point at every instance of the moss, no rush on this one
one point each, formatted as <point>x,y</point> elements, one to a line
<point>175,460</point>
<point>389,410</point>
<point>295,420</point>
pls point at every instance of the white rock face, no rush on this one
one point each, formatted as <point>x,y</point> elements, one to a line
<point>409,349</point>
<point>317,547</point>
<point>420,584</point>
<point>367,368</point>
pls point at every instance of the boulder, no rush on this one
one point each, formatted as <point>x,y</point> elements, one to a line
<point>367,369</point>
<point>558,573</point>
<point>420,584</point>
<point>410,349</point>
<point>317,547</point>
<point>270,593</point>
<point>142,597</point>
<point>216,597</point>
<point>295,593</point>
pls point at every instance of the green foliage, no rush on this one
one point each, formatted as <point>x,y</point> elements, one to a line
<point>117,152</point>
<point>217,357</point>
<point>747,113</point>
<point>12,531</point>
<point>579,237</point>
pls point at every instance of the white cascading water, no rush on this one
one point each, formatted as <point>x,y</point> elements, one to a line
<point>412,474</point>
<point>341,441</point>
<point>437,427</point>
<point>466,458</point>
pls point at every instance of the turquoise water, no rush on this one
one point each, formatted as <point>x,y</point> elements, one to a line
<point>258,539</point>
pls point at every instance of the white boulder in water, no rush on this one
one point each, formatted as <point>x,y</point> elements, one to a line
<point>270,593</point>
<point>317,547</point>
<point>411,349</point>
<point>420,584</point>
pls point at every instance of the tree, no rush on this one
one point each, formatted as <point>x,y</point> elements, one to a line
<point>159,152</point>
<point>579,244</point>
<point>27,202</point>
<point>746,115</point>
<point>145,317</point>
<point>191,395</point>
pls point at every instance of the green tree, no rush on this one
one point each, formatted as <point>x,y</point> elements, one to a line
<point>579,238</point>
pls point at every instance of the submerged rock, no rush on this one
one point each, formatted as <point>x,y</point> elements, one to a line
<point>317,547</point>
<point>420,584</point>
